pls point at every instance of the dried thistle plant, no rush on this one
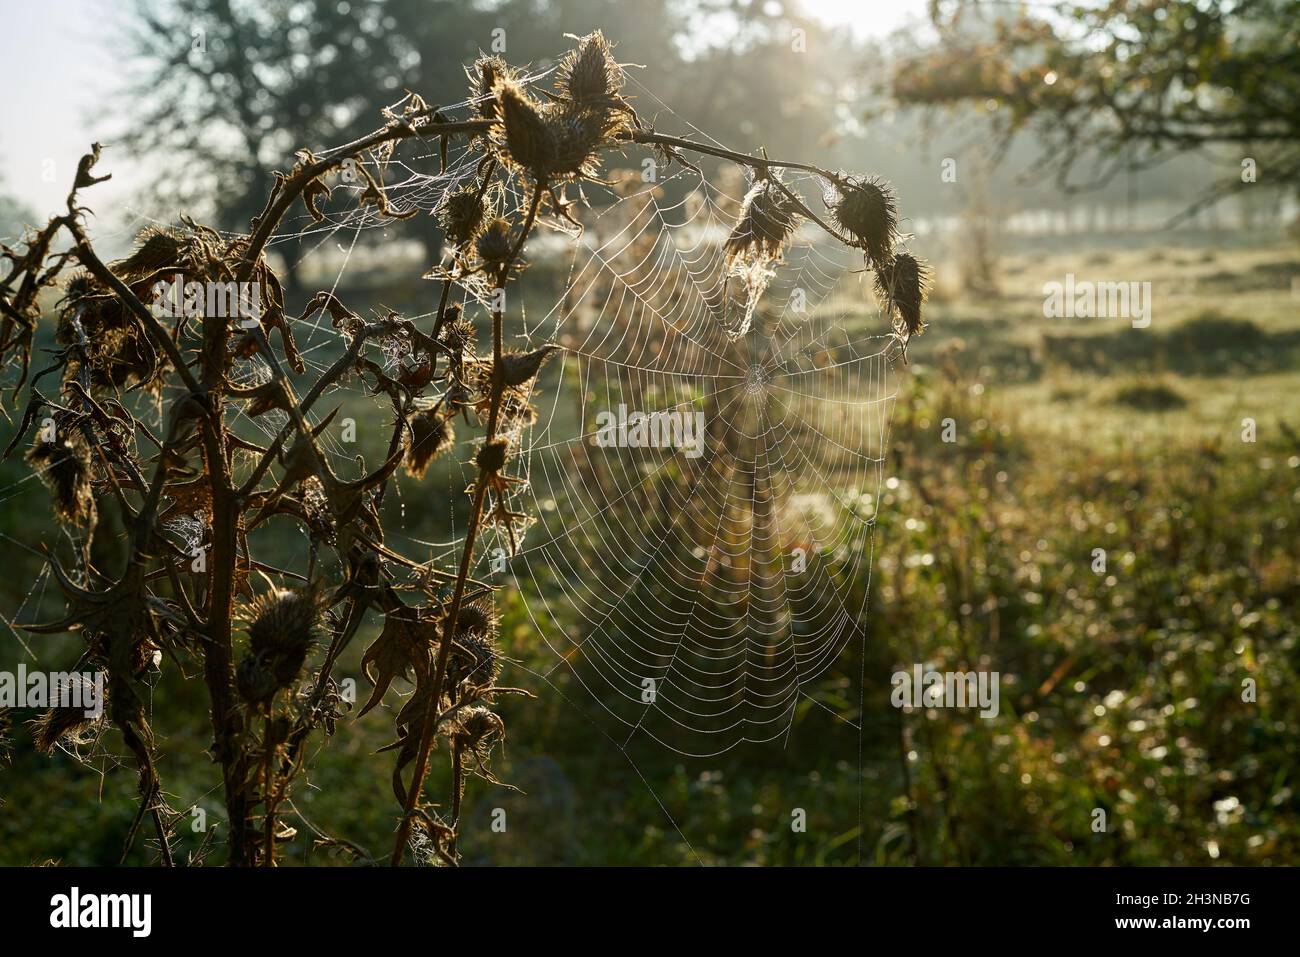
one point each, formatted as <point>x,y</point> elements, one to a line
<point>267,640</point>
<point>901,285</point>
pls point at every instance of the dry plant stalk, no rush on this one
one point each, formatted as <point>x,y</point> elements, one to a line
<point>268,639</point>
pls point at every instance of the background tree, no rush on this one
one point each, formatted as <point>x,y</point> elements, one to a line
<point>1122,85</point>
<point>14,214</point>
<point>235,87</point>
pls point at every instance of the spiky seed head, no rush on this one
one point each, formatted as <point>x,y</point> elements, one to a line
<point>520,367</point>
<point>460,336</point>
<point>282,630</point>
<point>255,682</point>
<point>767,219</point>
<point>143,656</point>
<point>157,247</point>
<point>450,318</point>
<point>901,286</point>
<point>457,331</point>
<point>553,142</point>
<point>69,722</point>
<point>61,724</point>
<point>589,73</point>
<point>78,285</point>
<point>523,136</point>
<point>479,662</point>
<point>478,729</point>
<point>462,215</point>
<point>432,434</point>
<point>64,467</point>
<point>496,244</point>
<point>867,210</point>
<point>491,456</point>
<point>578,133</point>
<point>101,315</point>
<point>477,618</point>
<point>483,77</point>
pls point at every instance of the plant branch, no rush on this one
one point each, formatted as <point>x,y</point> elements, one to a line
<point>451,619</point>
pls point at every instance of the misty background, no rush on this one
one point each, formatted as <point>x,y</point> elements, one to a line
<point>197,101</point>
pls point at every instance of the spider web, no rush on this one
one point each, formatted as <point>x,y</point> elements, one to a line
<point>694,598</point>
<point>696,592</point>
<point>694,601</point>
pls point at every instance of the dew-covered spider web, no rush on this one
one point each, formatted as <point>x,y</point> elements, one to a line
<point>698,571</point>
<point>704,501</point>
<point>702,475</point>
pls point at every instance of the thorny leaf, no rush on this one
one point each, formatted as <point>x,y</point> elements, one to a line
<point>406,643</point>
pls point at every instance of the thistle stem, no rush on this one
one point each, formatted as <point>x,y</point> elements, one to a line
<point>467,552</point>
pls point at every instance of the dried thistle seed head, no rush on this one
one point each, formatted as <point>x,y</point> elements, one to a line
<point>496,244</point>
<point>69,723</point>
<point>867,210</point>
<point>477,377</point>
<point>450,318</point>
<point>767,219</point>
<point>255,681</point>
<point>121,357</point>
<point>457,332</point>
<point>78,285</point>
<point>522,137</point>
<point>463,214</point>
<point>156,248</point>
<point>491,456</point>
<point>577,135</point>
<point>475,657</point>
<point>589,73</point>
<point>477,618</point>
<point>104,320</point>
<point>474,660</point>
<point>282,630</point>
<point>901,286</point>
<point>558,141</point>
<point>64,467</point>
<point>478,729</point>
<point>431,435</point>
<point>483,77</point>
<point>520,367</point>
<point>108,344</point>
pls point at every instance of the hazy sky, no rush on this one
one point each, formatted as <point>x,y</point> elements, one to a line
<point>62,64</point>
